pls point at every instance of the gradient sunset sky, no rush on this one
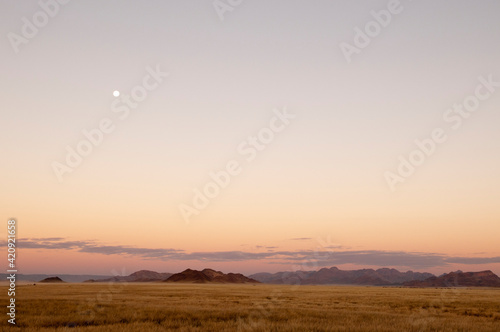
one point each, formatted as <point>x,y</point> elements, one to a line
<point>315,196</point>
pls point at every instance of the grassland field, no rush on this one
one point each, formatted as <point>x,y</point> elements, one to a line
<point>224,307</point>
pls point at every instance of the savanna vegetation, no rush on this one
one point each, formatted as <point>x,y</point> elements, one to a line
<point>209,307</point>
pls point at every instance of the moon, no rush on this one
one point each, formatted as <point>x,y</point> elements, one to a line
<point>116,93</point>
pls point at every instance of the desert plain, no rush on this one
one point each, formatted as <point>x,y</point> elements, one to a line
<point>250,307</point>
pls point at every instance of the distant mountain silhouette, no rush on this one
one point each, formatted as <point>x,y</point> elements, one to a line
<point>324,276</point>
<point>139,276</point>
<point>64,277</point>
<point>52,280</point>
<point>145,275</point>
<point>459,279</point>
<point>330,276</point>
<point>209,276</point>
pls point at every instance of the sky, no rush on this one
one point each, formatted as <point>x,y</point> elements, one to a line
<point>250,136</point>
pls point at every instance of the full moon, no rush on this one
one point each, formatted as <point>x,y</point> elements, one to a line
<point>116,93</point>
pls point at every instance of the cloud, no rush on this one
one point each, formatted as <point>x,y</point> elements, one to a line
<point>92,247</point>
<point>473,260</point>
<point>47,243</point>
<point>301,239</point>
<point>48,239</point>
<point>299,258</point>
<point>385,258</point>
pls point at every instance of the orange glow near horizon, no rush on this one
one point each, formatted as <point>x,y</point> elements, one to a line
<point>313,136</point>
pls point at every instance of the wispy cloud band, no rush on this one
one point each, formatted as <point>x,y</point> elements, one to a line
<point>413,260</point>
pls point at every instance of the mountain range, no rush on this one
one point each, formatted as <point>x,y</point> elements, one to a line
<point>328,276</point>
<point>139,276</point>
<point>65,277</point>
<point>187,276</point>
<point>459,279</point>
<point>324,276</point>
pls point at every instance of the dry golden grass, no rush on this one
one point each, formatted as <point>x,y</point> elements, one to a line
<point>206,307</point>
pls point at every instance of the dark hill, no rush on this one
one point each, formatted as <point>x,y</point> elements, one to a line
<point>209,276</point>
<point>52,280</point>
<point>189,276</point>
<point>139,276</point>
<point>459,279</point>
<point>333,275</point>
